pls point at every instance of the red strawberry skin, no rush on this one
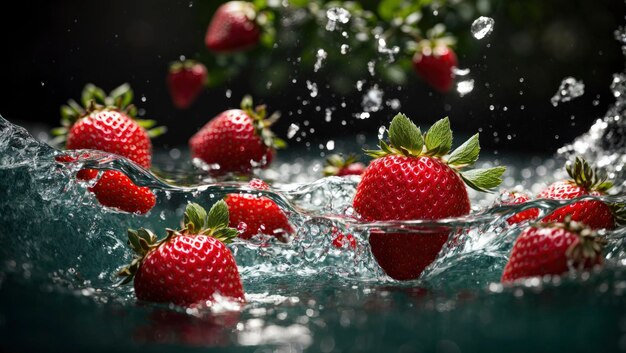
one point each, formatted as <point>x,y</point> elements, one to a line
<point>541,251</point>
<point>252,215</point>
<point>595,214</point>
<point>230,140</point>
<point>185,84</point>
<point>188,270</point>
<point>516,198</point>
<point>115,189</point>
<point>352,169</point>
<point>232,28</point>
<point>436,67</point>
<point>112,131</point>
<point>398,187</point>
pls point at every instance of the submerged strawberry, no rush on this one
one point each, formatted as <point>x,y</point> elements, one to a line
<point>252,214</point>
<point>552,249</point>
<point>516,198</point>
<point>585,181</point>
<point>185,81</point>
<point>233,28</point>
<point>435,62</point>
<point>412,178</point>
<point>237,140</point>
<point>107,123</point>
<point>338,166</point>
<point>189,266</point>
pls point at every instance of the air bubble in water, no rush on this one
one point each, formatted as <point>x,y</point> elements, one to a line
<point>482,27</point>
<point>569,89</point>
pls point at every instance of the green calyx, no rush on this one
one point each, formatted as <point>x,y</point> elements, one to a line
<point>335,162</point>
<point>585,176</point>
<point>262,124</point>
<point>94,99</point>
<point>195,222</point>
<point>406,139</point>
<point>589,245</point>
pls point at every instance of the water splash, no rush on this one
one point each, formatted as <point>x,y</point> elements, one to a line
<point>482,27</point>
<point>336,16</point>
<point>569,89</point>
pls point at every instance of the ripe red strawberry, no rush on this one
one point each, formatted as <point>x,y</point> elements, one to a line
<point>108,124</point>
<point>185,81</point>
<point>233,28</point>
<point>435,62</point>
<point>237,140</point>
<point>252,214</point>
<point>585,181</point>
<point>410,180</point>
<point>338,166</point>
<point>516,198</point>
<point>189,266</point>
<point>551,249</point>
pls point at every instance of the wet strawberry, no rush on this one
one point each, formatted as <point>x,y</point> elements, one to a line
<point>252,214</point>
<point>237,140</point>
<point>338,166</point>
<point>552,249</point>
<point>185,81</point>
<point>410,180</point>
<point>107,124</point>
<point>233,28</point>
<point>585,181</point>
<point>516,198</point>
<point>189,266</point>
<point>435,63</point>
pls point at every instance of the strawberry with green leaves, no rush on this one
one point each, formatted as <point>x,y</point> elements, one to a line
<point>336,165</point>
<point>233,28</point>
<point>189,266</point>
<point>584,181</point>
<point>415,178</point>
<point>107,123</point>
<point>553,249</point>
<point>237,140</point>
<point>185,81</point>
<point>253,214</point>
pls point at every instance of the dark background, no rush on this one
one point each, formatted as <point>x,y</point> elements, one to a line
<point>51,49</point>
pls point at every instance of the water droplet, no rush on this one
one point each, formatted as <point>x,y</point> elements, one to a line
<point>229,93</point>
<point>312,86</point>
<point>569,89</point>
<point>293,129</point>
<point>482,27</point>
<point>336,15</point>
<point>320,56</point>
<point>330,145</point>
<point>143,98</point>
<point>344,49</point>
<point>370,67</point>
<point>465,87</point>
<point>372,100</point>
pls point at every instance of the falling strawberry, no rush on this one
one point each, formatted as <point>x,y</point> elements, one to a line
<point>434,61</point>
<point>237,140</point>
<point>107,123</point>
<point>585,181</point>
<point>411,180</point>
<point>233,28</point>
<point>185,81</point>
<point>189,266</point>
<point>252,214</point>
<point>552,249</point>
<point>516,198</point>
<point>339,166</point>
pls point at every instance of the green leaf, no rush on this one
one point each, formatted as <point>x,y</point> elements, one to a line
<point>196,217</point>
<point>225,235</point>
<point>438,138</point>
<point>218,216</point>
<point>278,143</point>
<point>157,131</point>
<point>403,133</point>
<point>466,154</point>
<point>483,179</point>
<point>87,94</point>
<point>59,131</point>
<point>146,123</point>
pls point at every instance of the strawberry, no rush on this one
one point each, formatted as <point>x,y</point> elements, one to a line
<point>252,214</point>
<point>585,181</point>
<point>339,166</point>
<point>435,62</point>
<point>107,124</point>
<point>189,266</point>
<point>233,28</point>
<point>553,248</point>
<point>185,81</point>
<point>411,180</point>
<point>516,198</point>
<point>237,140</point>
